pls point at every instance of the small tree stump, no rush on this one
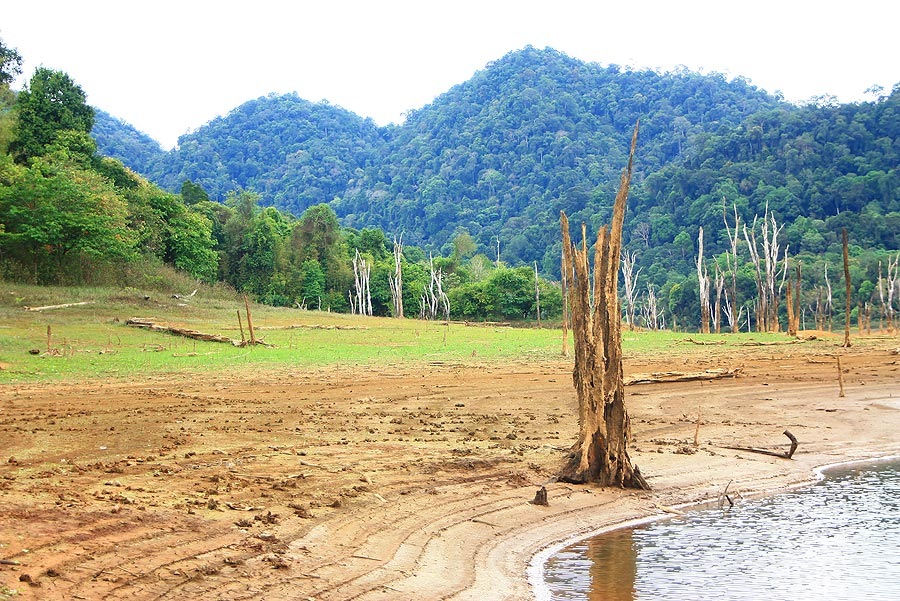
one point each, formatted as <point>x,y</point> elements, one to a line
<point>540,497</point>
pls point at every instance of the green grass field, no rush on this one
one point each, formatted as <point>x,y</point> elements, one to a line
<point>92,341</point>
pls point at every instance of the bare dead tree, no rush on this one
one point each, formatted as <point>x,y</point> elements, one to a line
<point>846,246</point>
<point>435,301</point>
<point>728,312</point>
<point>653,315</point>
<point>395,281</point>
<point>642,231</point>
<point>890,284</point>
<point>766,270</point>
<point>717,306</point>
<point>537,295</point>
<point>630,278</point>
<point>792,301</point>
<point>600,455</point>
<point>731,259</point>
<point>361,302</point>
<point>829,305</point>
<point>703,279</point>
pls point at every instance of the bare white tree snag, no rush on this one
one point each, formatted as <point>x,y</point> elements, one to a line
<point>703,279</point>
<point>435,301</point>
<point>631,278</point>
<point>827,323</point>
<point>654,316</point>
<point>891,284</point>
<point>362,271</point>
<point>846,244</point>
<point>601,454</point>
<point>395,281</point>
<point>766,270</point>
<point>537,295</point>
<point>720,290</point>
<point>731,260</point>
<point>792,302</point>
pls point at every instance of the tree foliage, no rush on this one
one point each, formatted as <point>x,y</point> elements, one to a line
<point>52,103</point>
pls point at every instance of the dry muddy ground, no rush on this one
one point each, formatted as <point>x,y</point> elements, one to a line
<point>405,483</point>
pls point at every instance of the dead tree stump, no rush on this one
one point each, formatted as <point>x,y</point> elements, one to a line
<point>601,454</point>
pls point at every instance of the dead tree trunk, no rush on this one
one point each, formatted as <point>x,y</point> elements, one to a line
<point>362,272</point>
<point>396,281</point>
<point>601,454</point>
<point>630,278</point>
<point>887,306</point>
<point>792,300</point>
<point>845,244</point>
<point>703,280</point>
<point>829,304</point>
<point>732,258</point>
<point>537,295</point>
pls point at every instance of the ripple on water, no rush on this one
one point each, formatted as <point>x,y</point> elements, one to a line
<point>838,539</point>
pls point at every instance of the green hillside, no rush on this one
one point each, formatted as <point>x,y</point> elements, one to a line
<point>537,131</point>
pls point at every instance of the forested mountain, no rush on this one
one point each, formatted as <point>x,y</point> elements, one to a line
<point>116,138</point>
<point>538,131</point>
<point>533,133</point>
<point>498,155</point>
<point>292,152</point>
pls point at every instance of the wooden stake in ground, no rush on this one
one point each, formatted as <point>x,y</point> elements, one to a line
<point>249,320</point>
<point>565,308</point>
<point>601,454</point>
<point>241,327</point>
<point>840,377</point>
<point>847,280</point>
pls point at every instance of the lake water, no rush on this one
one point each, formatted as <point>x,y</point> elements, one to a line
<point>837,539</point>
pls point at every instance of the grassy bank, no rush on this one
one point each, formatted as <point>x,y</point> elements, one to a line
<point>92,341</point>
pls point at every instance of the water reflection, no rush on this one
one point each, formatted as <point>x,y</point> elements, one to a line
<point>613,566</point>
<point>836,540</point>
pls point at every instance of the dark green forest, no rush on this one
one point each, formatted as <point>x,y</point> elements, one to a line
<point>279,197</point>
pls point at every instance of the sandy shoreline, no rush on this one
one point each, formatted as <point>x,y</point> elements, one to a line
<point>401,484</point>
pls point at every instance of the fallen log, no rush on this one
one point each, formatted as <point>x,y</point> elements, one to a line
<point>675,376</point>
<point>149,324</point>
<point>777,343</point>
<point>311,327</point>
<point>786,455</point>
<point>704,342</point>
<point>63,306</point>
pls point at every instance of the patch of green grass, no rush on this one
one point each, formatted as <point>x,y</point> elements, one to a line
<point>92,341</point>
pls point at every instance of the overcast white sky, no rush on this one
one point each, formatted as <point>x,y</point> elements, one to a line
<point>168,67</point>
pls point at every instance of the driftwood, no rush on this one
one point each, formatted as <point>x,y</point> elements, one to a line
<point>704,342</point>
<point>63,306</point>
<point>777,343</point>
<point>677,376</point>
<point>786,455</point>
<point>149,324</point>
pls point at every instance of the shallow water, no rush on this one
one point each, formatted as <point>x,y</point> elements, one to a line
<point>837,539</point>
